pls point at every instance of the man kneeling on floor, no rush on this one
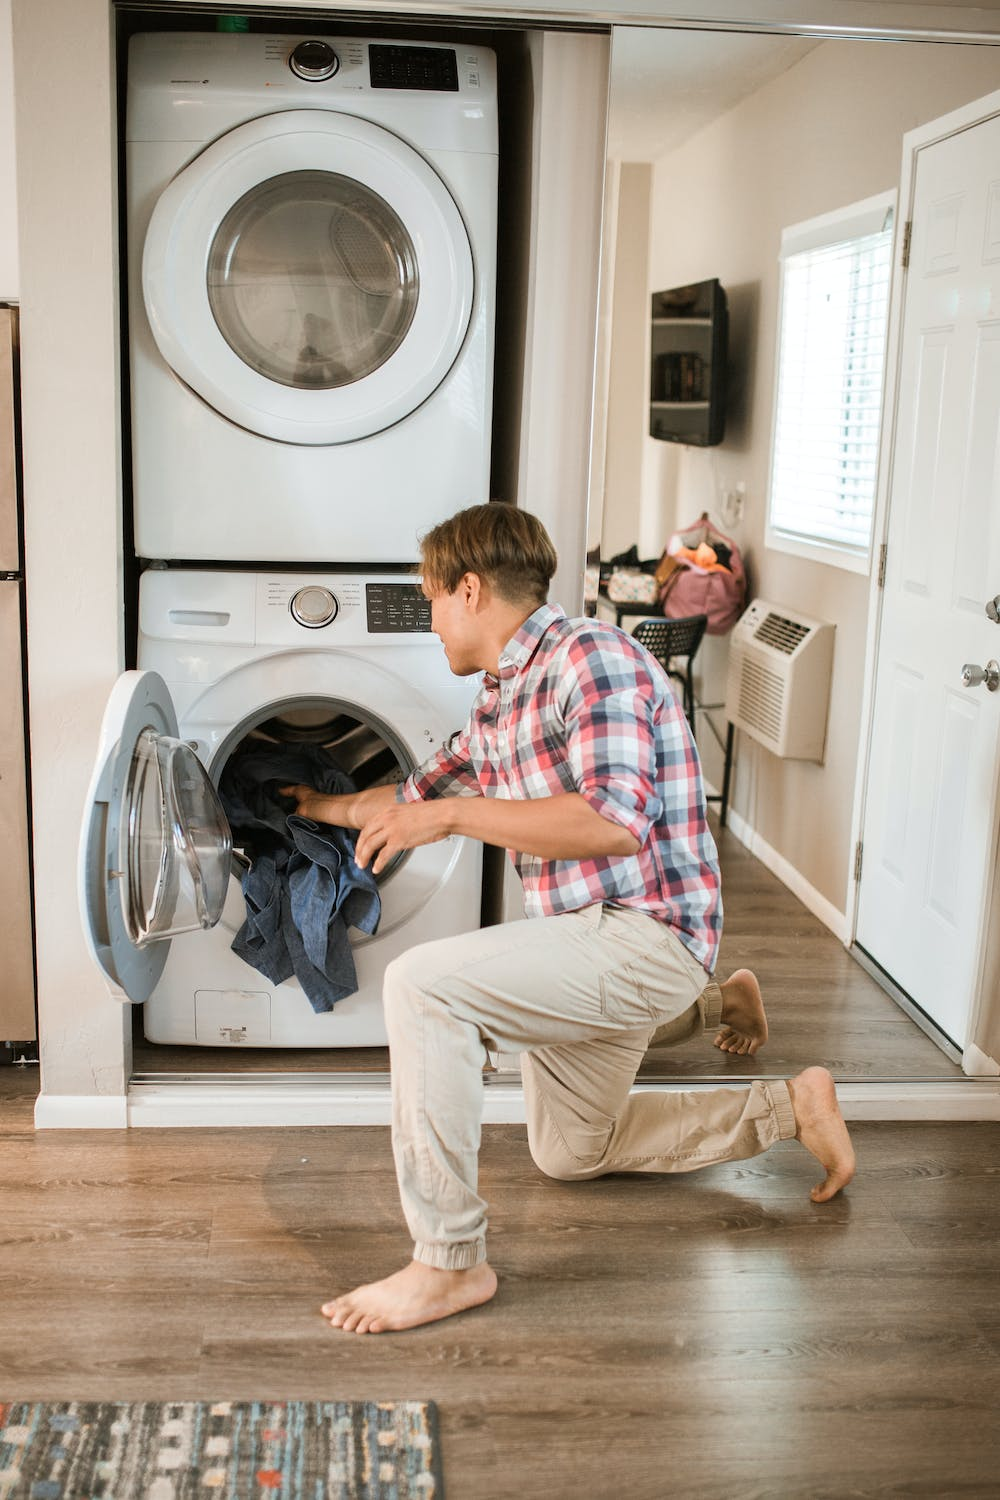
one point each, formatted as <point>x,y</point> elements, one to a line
<point>577,756</point>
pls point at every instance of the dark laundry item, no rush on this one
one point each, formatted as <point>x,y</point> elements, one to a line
<point>304,888</point>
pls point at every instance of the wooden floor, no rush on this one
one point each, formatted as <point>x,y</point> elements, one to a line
<point>715,1335</point>
<point>822,1006</point>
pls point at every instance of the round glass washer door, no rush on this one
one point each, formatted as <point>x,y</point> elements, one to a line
<point>309,276</point>
<point>155,846</point>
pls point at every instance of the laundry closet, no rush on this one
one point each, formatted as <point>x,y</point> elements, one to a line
<point>318,226</point>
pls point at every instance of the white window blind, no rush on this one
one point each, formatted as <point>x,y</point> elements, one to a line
<point>831,356</point>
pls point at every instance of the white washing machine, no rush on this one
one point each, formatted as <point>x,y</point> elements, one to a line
<point>342,659</point>
<point>312,264</point>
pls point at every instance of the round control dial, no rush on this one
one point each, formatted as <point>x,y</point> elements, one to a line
<point>314,607</point>
<point>314,61</point>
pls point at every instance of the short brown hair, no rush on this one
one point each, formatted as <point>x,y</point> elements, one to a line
<point>509,548</point>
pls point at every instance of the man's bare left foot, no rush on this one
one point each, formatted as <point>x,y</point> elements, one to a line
<point>417,1294</point>
<point>821,1129</point>
<point>743,1024</point>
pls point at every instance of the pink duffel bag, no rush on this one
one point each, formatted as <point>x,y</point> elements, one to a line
<point>702,573</point>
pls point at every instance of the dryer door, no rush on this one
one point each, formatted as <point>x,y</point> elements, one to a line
<point>310,276</point>
<point>156,848</point>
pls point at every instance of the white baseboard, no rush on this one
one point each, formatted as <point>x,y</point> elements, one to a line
<point>790,876</point>
<point>81,1112</point>
<point>152,1105</point>
<point>960,1100</point>
<point>189,1104</point>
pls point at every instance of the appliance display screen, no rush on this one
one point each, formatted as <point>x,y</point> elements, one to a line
<point>401,67</point>
<point>397,608</point>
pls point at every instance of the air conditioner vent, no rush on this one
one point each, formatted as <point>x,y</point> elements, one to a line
<point>762,697</point>
<point>781,632</point>
<point>778,684</point>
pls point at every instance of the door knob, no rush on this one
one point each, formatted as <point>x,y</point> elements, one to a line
<point>993,610</point>
<point>973,676</point>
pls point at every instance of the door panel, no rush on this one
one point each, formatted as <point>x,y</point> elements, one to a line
<point>931,805</point>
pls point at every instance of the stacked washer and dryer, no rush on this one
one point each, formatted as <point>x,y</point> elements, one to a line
<point>311,259</point>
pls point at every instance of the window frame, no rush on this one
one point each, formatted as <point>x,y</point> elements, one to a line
<point>855,221</point>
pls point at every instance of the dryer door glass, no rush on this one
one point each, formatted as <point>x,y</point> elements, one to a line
<point>312,280</point>
<point>179,843</point>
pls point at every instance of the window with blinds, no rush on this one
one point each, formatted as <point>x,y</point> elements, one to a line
<point>835,274</point>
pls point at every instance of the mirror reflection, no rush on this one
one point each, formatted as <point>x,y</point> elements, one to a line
<point>725,153</point>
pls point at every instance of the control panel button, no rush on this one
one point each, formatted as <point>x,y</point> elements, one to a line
<point>314,61</point>
<point>314,607</point>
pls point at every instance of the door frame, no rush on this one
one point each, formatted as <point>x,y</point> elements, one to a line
<point>914,141</point>
<point>78,395</point>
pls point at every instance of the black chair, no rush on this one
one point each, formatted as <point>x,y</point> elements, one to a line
<point>670,641</point>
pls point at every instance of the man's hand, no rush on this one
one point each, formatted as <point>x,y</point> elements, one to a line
<point>403,825</point>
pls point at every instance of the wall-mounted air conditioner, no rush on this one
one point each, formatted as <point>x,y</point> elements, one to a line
<point>778,684</point>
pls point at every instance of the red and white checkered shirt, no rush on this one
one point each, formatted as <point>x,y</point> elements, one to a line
<point>579,706</point>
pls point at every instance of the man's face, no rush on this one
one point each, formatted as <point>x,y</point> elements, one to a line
<point>455,622</point>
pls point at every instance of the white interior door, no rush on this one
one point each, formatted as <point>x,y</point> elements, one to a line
<point>929,837</point>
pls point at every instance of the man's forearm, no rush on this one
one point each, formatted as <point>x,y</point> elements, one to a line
<point>560,827</point>
<point>349,810</point>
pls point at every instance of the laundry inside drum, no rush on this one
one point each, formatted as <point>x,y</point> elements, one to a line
<point>332,746</point>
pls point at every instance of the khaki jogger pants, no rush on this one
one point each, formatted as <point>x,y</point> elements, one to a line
<point>580,997</point>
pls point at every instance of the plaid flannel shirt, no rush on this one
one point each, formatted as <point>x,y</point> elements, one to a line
<point>579,706</point>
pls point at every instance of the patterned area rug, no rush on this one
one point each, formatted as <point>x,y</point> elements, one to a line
<point>220,1450</point>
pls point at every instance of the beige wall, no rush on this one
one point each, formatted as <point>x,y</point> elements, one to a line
<point>9,274</point>
<point>824,134</point>
<point>571,78</point>
<point>72,487</point>
<point>628,390</point>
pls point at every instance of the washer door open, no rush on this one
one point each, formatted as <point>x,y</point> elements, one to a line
<point>310,276</point>
<point>156,849</point>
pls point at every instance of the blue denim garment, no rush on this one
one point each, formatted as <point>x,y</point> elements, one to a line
<point>305,887</point>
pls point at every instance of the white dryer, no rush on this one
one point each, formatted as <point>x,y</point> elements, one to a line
<point>286,657</point>
<point>312,266</point>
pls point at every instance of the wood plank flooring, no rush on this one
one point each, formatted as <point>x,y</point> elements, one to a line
<point>707,1337</point>
<point>822,1006</point>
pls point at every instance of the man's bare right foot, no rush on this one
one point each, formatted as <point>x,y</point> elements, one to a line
<point>743,1024</point>
<point>821,1129</point>
<point>415,1295</point>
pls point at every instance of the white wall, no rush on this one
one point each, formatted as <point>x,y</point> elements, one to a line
<point>9,278</point>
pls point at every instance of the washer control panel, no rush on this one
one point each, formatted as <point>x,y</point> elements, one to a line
<point>314,606</point>
<point>321,611</point>
<point>341,609</point>
<point>399,608</point>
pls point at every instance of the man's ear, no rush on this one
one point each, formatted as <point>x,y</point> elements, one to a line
<point>475,591</point>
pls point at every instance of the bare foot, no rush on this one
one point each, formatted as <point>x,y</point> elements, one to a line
<point>743,1026</point>
<point>821,1130</point>
<point>417,1294</point>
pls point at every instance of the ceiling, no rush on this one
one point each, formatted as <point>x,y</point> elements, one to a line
<point>668,84</point>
